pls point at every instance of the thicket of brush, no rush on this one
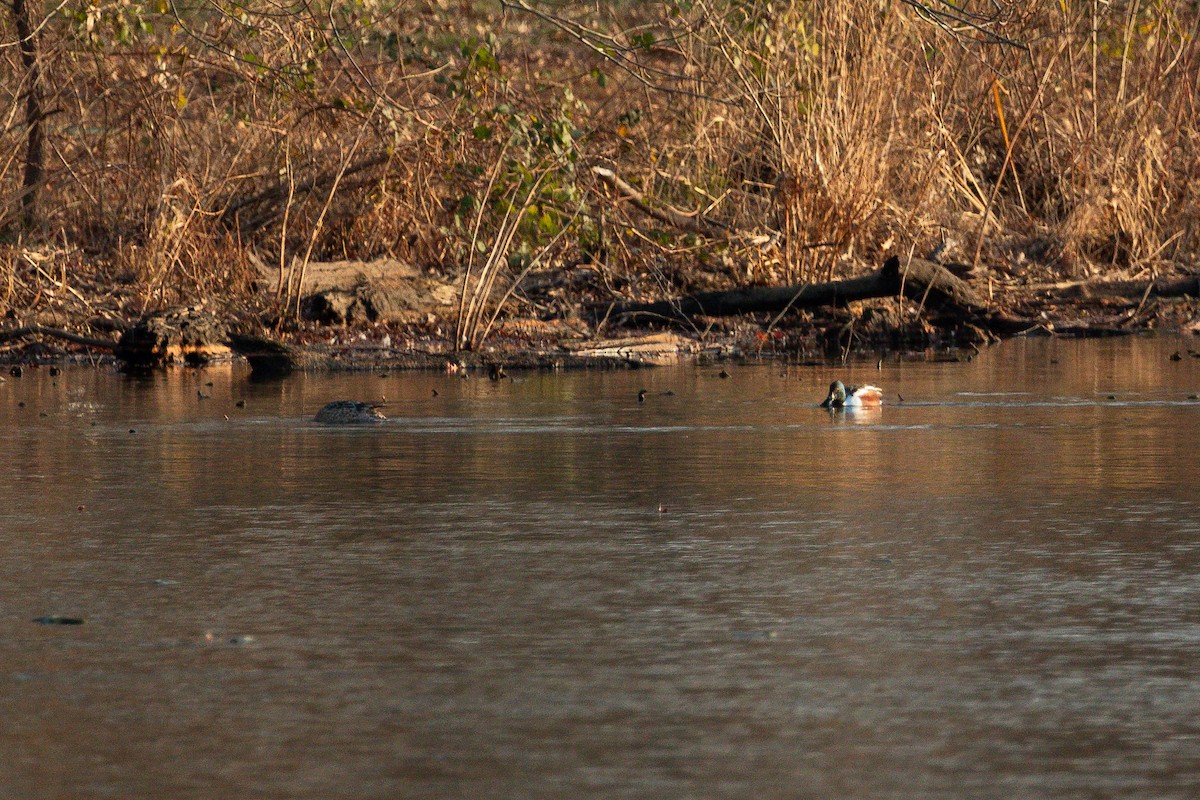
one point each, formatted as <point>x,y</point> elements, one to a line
<point>175,146</point>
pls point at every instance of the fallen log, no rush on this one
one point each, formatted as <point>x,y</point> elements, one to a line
<point>347,292</point>
<point>922,281</point>
<point>1188,286</point>
<point>193,336</point>
<point>660,348</point>
<point>269,358</point>
<point>57,333</point>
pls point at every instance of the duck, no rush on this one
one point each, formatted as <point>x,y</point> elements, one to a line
<point>349,412</point>
<point>842,396</point>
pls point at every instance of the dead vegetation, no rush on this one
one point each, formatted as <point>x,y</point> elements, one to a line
<point>170,153</point>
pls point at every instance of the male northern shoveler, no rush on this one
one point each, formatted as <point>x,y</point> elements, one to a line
<point>841,396</point>
<point>343,412</point>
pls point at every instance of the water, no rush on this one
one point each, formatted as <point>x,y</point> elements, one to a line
<point>544,588</point>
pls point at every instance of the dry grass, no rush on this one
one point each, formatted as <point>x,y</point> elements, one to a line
<point>863,128</point>
<point>1064,135</point>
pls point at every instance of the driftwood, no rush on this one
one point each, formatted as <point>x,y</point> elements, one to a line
<point>57,333</point>
<point>341,292</point>
<point>659,348</point>
<point>268,357</point>
<point>922,281</point>
<point>191,336</point>
<point>1129,290</point>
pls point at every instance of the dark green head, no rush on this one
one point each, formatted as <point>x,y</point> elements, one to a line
<point>836,397</point>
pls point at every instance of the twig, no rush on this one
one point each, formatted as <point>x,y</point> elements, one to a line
<point>671,216</point>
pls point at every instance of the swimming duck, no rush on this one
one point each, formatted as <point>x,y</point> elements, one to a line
<point>343,412</point>
<point>841,396</point>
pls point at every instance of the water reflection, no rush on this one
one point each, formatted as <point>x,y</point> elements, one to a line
<point>988,587</point>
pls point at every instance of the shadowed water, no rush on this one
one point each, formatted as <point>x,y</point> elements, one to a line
<point>544,588</point>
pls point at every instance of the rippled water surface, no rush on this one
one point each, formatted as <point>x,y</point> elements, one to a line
<point>544,588</point>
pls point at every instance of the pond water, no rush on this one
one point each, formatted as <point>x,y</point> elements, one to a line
<point>544,588</point>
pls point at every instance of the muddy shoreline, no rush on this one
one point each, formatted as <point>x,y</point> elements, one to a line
<point>869,332</point>
<point>382,316</point>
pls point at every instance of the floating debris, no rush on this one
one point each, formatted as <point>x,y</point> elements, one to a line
<point>211,638</point>
<point>55,619</point>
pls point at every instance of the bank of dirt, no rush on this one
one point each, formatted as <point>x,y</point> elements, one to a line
<point>388,315</point>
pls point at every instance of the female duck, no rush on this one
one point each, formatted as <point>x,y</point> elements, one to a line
<point>841,396</point>
<point>348,412</point>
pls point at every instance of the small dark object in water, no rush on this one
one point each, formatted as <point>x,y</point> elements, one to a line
<point>21,404</point>
<point>343,412</point>
<point>131,430</point>
<point>641,395</point>
<point>722,374</point>
<point>1194,397</point>
<point>383,374</point>
<point>1176,356</point>
<point>43,414</point>
<point>240,404</point>
<point>1112,397</point>
<point>202,395</point>
<point>496,372</point>
<point>55,619</point>
<point>435,392</point>
<point>55,372</point>
<point>16,371</point>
